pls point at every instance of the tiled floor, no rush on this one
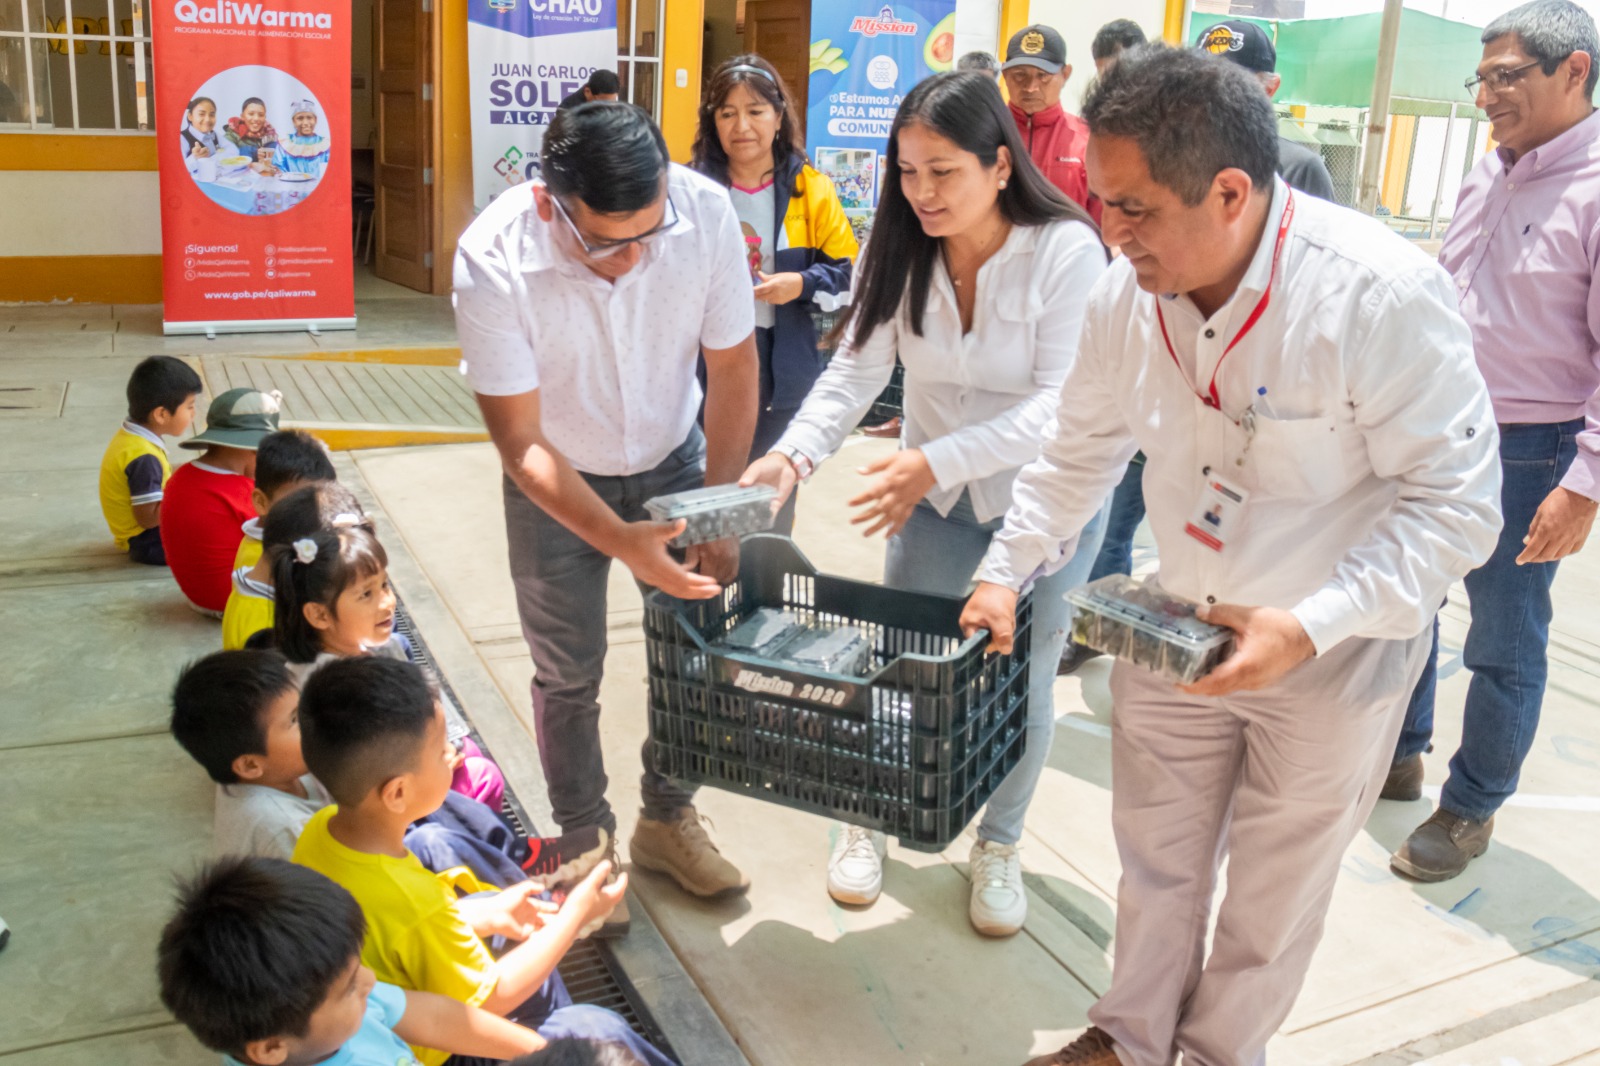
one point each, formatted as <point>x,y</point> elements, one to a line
<point>1498,968</point>
<point>97,809</point>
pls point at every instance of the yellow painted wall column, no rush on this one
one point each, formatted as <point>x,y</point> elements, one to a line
<point>1172,23</point>
<point>680,50</point>
<point>452,139</point>
<point>1397,167</point>
<point>1013,16</point>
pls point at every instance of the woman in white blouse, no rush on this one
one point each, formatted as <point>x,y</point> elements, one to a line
<point>977,273</point>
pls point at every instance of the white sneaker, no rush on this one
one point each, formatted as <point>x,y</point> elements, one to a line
<point>855,869</point>
<point>999,904</point>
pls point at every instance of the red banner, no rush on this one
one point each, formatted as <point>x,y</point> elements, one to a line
<point>252,114</point>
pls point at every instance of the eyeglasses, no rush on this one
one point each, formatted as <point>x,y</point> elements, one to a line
<point>1498,81</point>
<point>608,249</point>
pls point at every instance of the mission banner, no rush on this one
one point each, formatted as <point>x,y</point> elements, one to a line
<point>253,142</point>
<point>864,59</point>
<point>523,58</point>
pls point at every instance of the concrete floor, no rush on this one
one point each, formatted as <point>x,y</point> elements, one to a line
<point>98,808</point>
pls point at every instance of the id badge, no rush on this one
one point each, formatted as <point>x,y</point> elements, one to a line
<point>1218,514</point>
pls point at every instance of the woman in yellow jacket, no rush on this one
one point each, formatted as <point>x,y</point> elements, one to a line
<point>798,239</point>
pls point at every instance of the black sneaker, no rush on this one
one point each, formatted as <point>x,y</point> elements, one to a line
<point>561,862</point>
<point>1074,656</point>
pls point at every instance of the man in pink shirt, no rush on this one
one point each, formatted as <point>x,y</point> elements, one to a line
<point>1523,248</point>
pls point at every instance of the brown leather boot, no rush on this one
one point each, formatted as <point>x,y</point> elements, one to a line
<point>1093,1048</point>
<point>682,850</point>
<point>1404,782</point>
<point>1441,847</point>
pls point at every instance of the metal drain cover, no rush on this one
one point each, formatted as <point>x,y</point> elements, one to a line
<point>33,401</point>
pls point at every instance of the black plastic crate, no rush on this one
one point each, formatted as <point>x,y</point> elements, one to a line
<point>913,748</point>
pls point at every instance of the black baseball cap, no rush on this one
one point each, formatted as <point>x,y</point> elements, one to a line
<point>1036,46</point>
<point>1244,43</point>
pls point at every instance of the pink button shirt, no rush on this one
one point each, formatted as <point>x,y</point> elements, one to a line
<point>1524,250</point>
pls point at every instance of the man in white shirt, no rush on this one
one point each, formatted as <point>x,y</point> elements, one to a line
<point>582,303</point>
<point>1299,357</point>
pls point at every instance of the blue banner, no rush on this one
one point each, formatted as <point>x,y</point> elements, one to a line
<point>864,59</point>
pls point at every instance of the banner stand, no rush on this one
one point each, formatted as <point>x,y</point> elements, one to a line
<point>253,146</point>
<point>265,325</point>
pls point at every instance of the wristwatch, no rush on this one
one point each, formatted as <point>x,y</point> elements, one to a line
<point>803,466</point>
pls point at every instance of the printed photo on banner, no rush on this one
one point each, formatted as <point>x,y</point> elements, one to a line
<point>255,140</point>
<point>854,173</point>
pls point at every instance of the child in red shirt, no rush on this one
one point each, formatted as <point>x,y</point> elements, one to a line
<point>209,498</point>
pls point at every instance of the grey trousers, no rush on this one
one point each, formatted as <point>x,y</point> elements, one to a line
<point>560,582</point>
<point>1278,782</point>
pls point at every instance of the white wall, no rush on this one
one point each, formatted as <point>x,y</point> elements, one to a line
<point>1079,20</point>
<point>977,26</point>
<point>69,212</point>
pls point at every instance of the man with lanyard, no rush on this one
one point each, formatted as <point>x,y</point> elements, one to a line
<point>1248,45</point>
<point>1035,73</point>
<point>1523,248</point>
<point>1321,464</point>
<point>582,302</point>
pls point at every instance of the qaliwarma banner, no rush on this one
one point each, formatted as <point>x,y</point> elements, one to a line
<point>253,142</point>
<point>523,58</point>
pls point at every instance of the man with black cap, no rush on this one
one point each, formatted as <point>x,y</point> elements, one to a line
<point>1247,44</point>
<point>1035,72</point>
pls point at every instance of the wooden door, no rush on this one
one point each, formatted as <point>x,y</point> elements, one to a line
<point>403,55</point>
<point>779,31</point>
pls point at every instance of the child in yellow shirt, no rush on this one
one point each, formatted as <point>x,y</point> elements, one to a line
<point>134,469</point>
<point>287,460</point>
<point>373,731</point>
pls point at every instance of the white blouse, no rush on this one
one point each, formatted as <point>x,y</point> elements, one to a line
<point>979,404</point>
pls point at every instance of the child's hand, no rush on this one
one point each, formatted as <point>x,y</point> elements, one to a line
<point>515,913</point>
<point>594,900</point>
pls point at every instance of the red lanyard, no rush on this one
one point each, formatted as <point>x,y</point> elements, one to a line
<point>1215,400</point>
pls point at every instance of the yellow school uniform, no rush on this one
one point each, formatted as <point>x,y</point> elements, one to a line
<point>416,936</point>
<point>133,471</point>
<point>250,609</point>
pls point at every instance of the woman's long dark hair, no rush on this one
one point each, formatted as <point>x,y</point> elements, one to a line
<point>708,156</point>
<point>966,108</point>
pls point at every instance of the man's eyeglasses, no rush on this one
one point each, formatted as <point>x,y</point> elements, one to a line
<point>608,249</point>
<point>1498,80</point>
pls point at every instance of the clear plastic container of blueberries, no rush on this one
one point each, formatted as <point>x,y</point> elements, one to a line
<point>763,632</point>
<point>715,512</point>
<point>830,649</point>
<point>1137,621</point>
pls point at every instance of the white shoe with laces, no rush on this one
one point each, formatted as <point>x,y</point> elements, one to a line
<point>999,904</point>
<point>855,869</point>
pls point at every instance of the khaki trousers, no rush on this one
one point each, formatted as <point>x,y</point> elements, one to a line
<point>1278,782</point>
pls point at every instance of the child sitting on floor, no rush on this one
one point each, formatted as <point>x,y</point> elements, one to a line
<point>262,962</point>
<point>334,600</point>
<point>296,514</point>
<point>286,460</point>
<point>134,470</point>
<point>237,714</point>
<point>374,733</point>
<point>208,499</point>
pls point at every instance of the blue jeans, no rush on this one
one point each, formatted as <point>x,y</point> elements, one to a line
<point>1506,647</point>
<point>560,581</point>
<point>941,555</point>
<point>552,1012</point>
<point>1122,521</point>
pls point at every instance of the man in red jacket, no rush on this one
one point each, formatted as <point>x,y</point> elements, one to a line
<point>1035,72</point>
